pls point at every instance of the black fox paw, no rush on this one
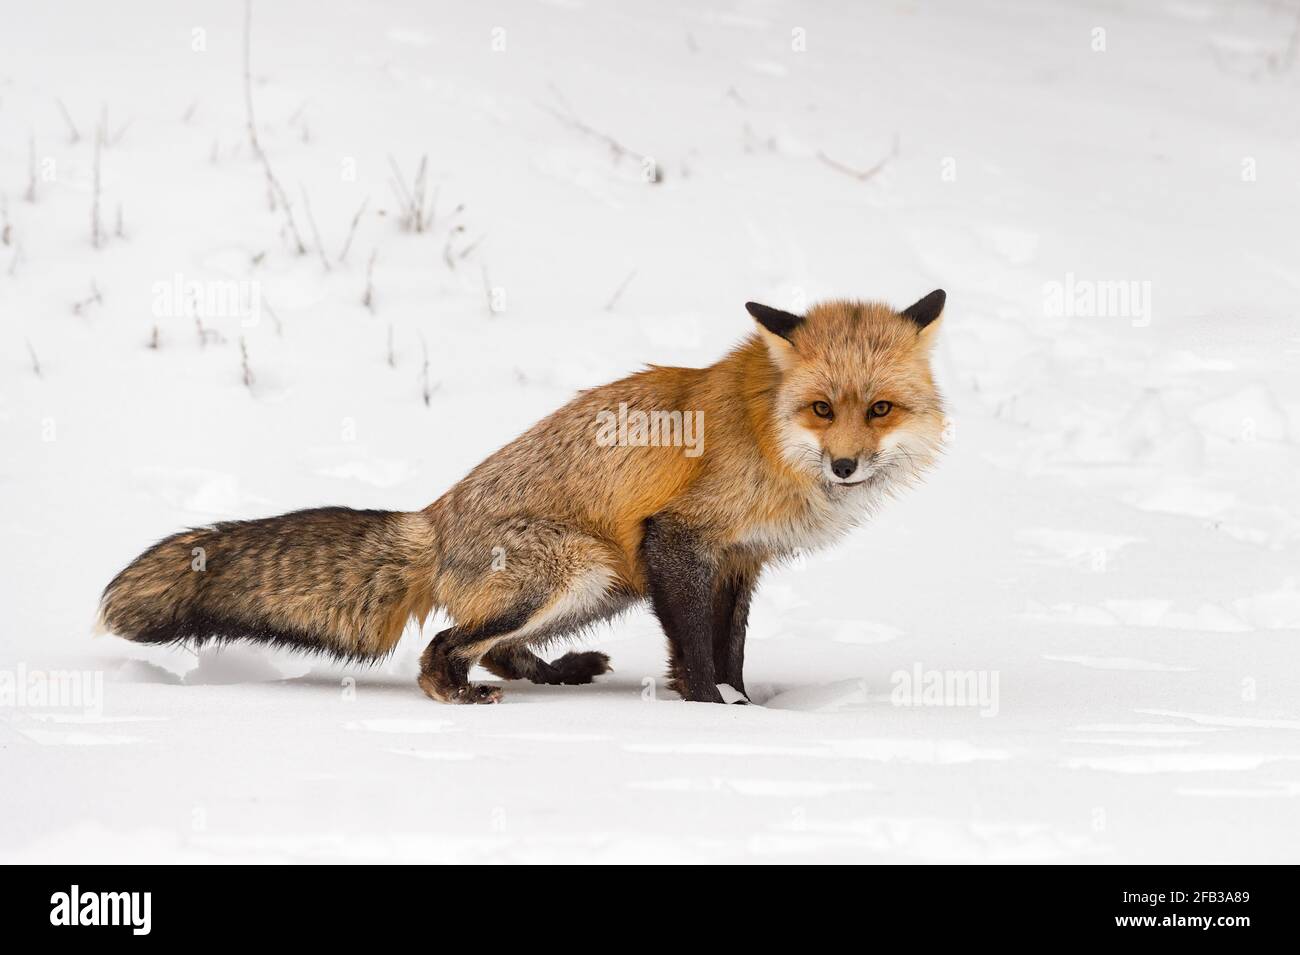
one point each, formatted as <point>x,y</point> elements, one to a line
<point>574,668</point>
<point>443,690</point>
<point>476,693</point>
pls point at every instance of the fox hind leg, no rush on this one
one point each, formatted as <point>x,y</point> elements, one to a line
<point>521,663</point>
<point>555,581</point>
<point>445,663</point>
<point>444,670</point>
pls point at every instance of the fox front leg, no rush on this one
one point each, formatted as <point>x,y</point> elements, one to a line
<point>682,574</point>
<point>730,621</point>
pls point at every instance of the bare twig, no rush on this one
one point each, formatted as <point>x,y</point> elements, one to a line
<point>315,231</point>
<point>95,237</point>
<point>205,334</point>
<point>446,249</point>
<point>425,391</point>
<point>272,184</point>
<point>352,230</point>
<point>487,292</point>
<point>189,112</point>
<point>368,300</point>
<point>119,229</point>
<point>618,292</point>
<point>415,218</point>
<point>155,341</point>
<point>94,298</point>
<point>465,252</point>
<point>74,136</point>
<point>297,119</point>
<point>862,175</point>
<point>108,137</point>
<point>392,358</point>
<point>421,183</point>
<point>116,138</point>
<point>30,194</point>
<point>36,362</point>
<point>616,148</point>
<point>243,361</point>
<point>6,227</point>
<point>1288,55</point>
<point>279,327</point>
<point>400,192</point>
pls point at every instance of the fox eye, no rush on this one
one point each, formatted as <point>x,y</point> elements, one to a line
<point>880,409</point>
<point>822,409</point>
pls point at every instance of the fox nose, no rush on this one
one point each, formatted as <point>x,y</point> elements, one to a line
<point>843,467</point>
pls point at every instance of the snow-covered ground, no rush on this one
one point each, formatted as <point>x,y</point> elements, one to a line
<point>1110,549</point>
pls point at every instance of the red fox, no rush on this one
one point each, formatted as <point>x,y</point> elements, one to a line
<point>675,485</point>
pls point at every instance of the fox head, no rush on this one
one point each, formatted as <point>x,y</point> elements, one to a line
<point>856,404</point>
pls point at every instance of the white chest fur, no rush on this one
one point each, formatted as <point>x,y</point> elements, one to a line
<point>829,513</point>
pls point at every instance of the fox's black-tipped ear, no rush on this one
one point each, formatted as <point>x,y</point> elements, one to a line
<point>774,320</point>
<point>927,309</point>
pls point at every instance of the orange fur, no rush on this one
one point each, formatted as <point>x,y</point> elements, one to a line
<point>554,521</point>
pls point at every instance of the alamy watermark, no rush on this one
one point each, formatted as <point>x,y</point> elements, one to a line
<point>128,909</point>
<point>207,299</point>
<point>80,691</point>
<point>969,688</point>
<point>1093,298</point>
<point>634,428</point>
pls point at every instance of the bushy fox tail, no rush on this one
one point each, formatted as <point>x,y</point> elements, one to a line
<point>331,580</point>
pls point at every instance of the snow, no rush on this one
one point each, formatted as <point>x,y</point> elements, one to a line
<point>1112,540</point>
